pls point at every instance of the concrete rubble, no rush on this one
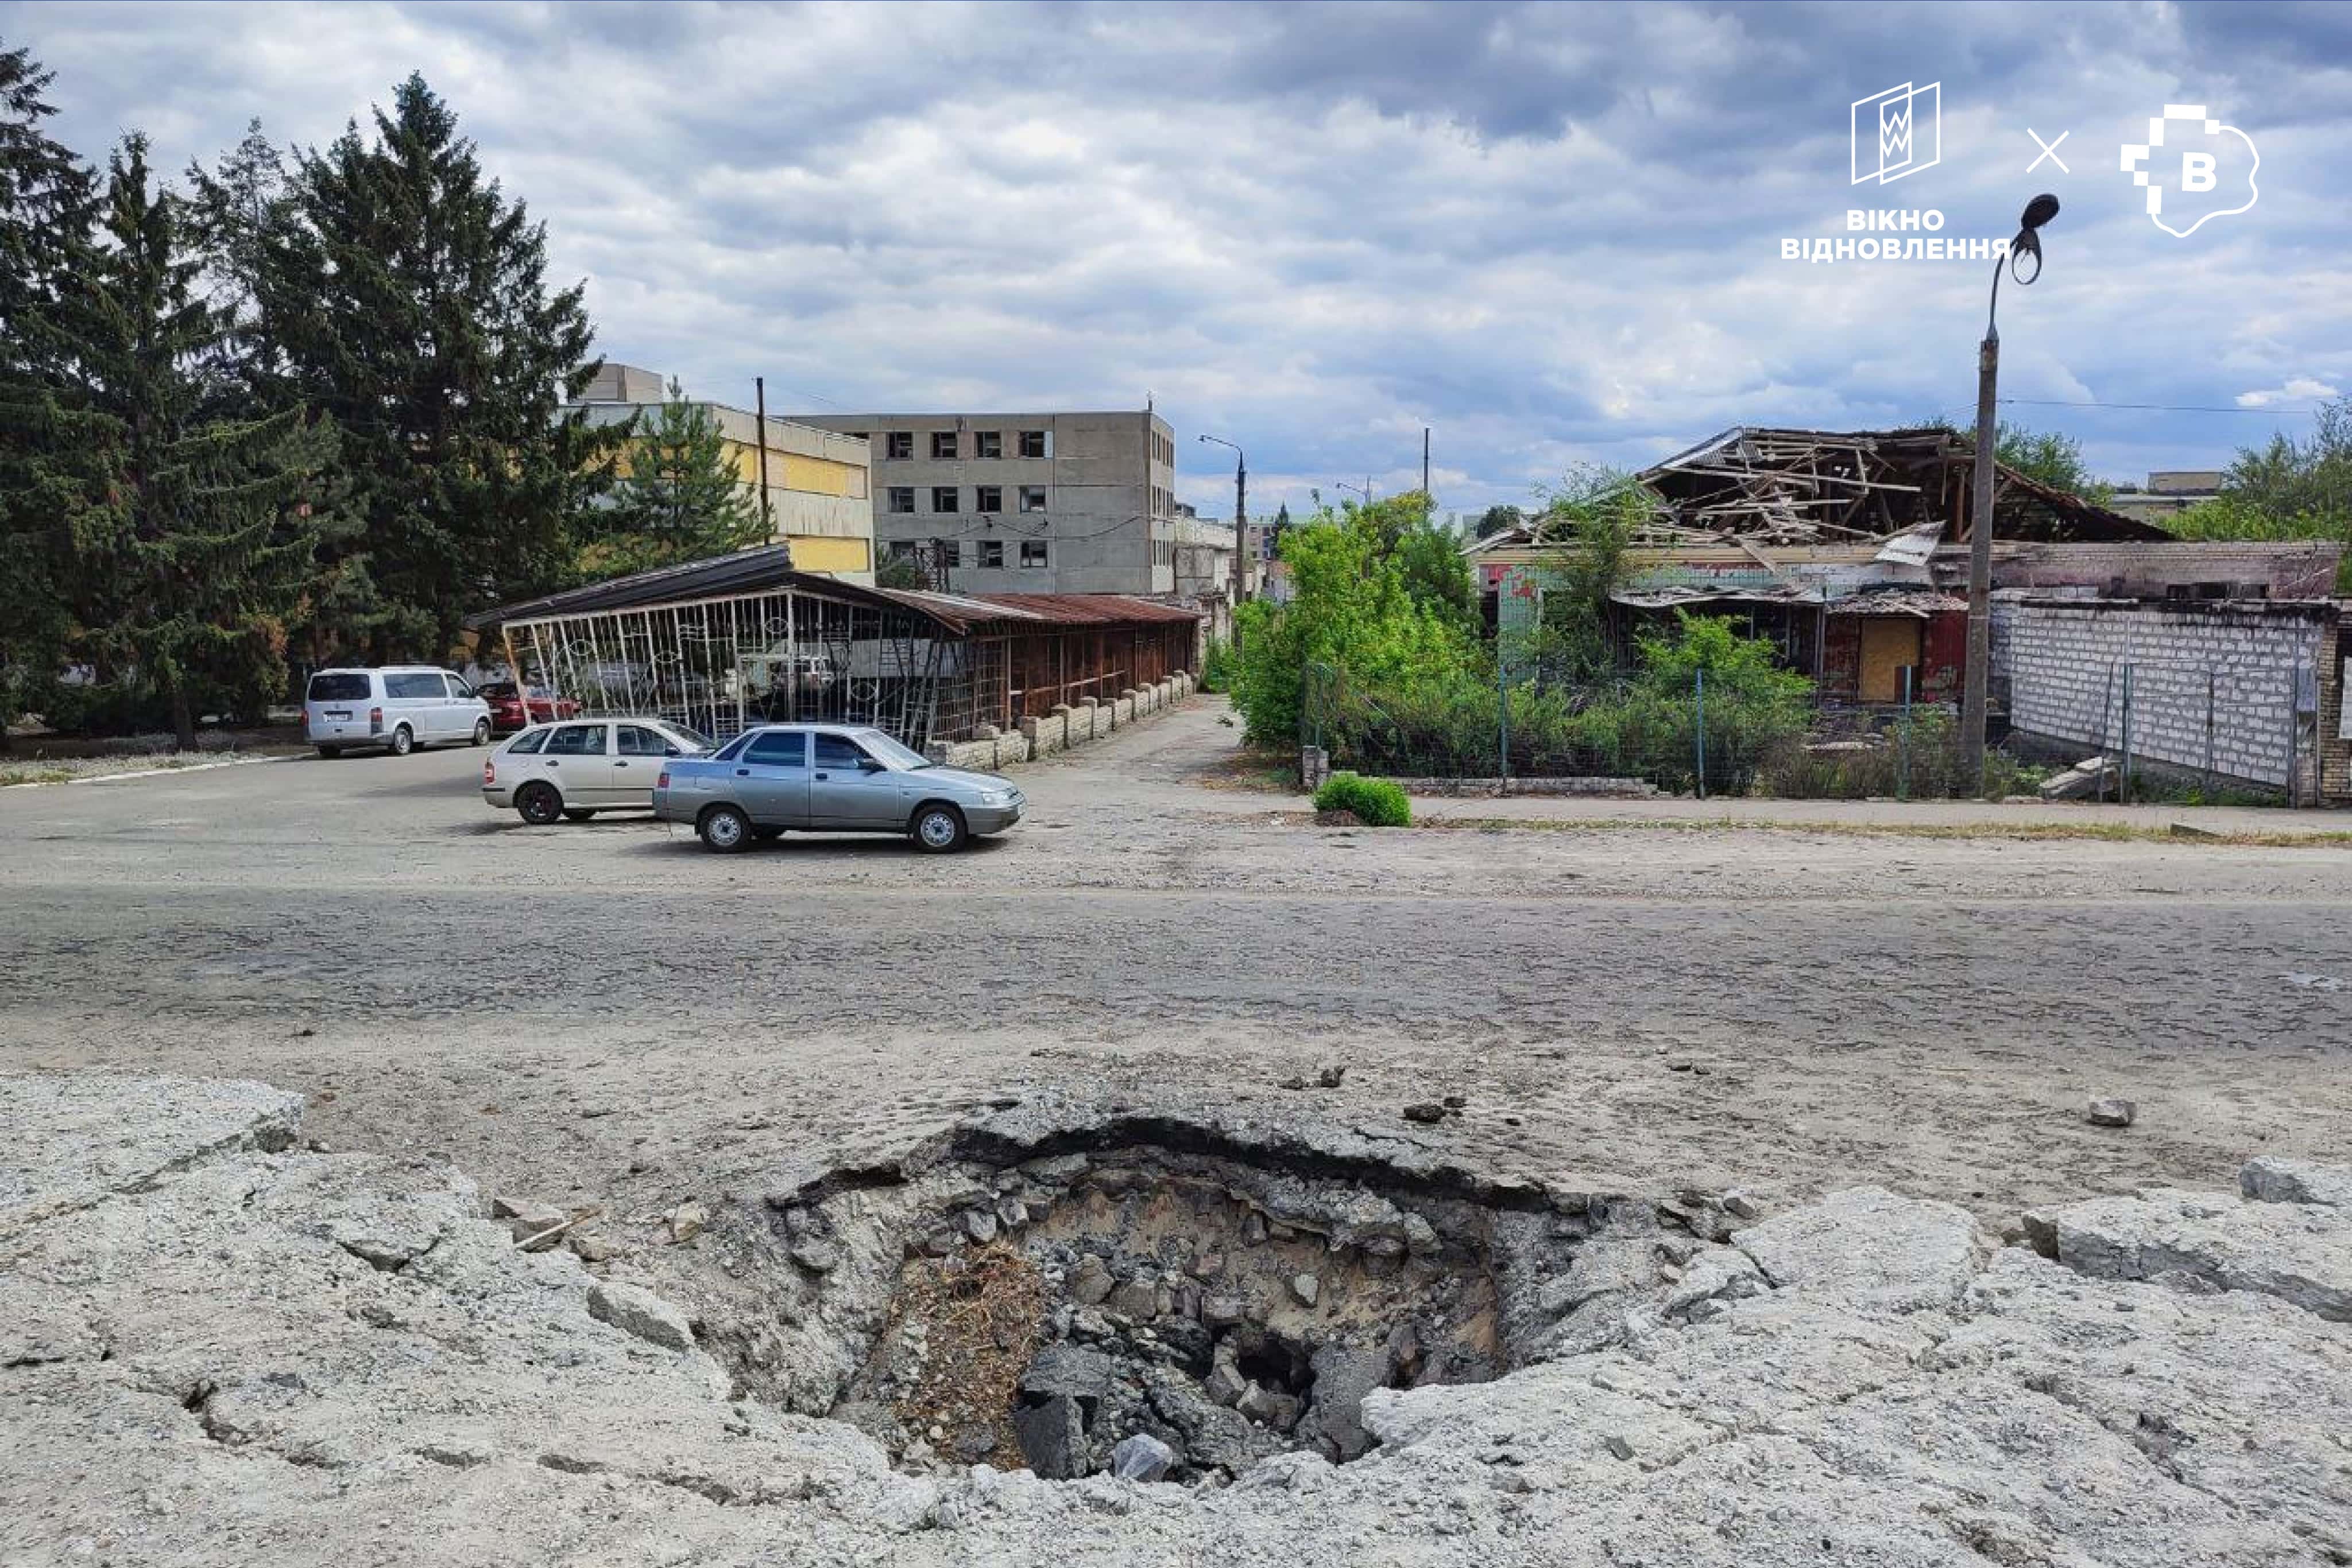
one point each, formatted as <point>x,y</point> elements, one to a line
<point>218,1348</point>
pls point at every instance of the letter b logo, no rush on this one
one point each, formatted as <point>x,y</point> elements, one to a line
<point>2197,171</point>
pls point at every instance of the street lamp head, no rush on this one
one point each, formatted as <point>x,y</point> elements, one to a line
<point>2039,211</point>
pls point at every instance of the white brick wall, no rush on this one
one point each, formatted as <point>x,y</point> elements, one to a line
<point>2066,680</point>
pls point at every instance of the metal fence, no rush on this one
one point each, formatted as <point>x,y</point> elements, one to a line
<point>2224,727</point>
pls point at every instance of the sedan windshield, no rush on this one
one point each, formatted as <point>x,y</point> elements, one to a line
<point>891,752</point>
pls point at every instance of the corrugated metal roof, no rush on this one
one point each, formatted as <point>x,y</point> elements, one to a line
<point>1094,608</point>
<point>769,567</point>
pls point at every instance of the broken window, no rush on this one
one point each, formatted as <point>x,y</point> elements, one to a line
<point>988,498</point>
<point>902,498</point>
<point>1033,552</point>
<point>1032,497</point>
<point>899,445</point>
<point>943,445</point>
<point>1033,444</point>
<point>988,444</point>
<point>943,499</point>
<point>992,552</point>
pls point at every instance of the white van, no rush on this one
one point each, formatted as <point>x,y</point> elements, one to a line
<point>396,709</point>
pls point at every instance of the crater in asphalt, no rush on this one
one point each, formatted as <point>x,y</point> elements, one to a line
<point>1172,1295</point>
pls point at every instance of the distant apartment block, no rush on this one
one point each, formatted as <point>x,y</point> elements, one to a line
<point>1025,503</point>
<point>2170,491</point>
<point>819,489</point>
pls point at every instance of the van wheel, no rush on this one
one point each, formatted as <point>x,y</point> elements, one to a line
<point>575,814</point>
<point>939,829</point>
<point>538,804</point>
<point>724,829</point>
<point>402,743</point>
<point>482,733</point>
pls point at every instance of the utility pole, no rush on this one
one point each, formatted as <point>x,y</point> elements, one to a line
<point>1241,553</point>
<point>760,426</point>
<point>1973,695</point>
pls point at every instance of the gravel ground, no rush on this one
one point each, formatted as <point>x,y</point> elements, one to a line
<point>605,1014</point>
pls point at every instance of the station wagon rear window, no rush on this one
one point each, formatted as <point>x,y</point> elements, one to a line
<point>339,688</point>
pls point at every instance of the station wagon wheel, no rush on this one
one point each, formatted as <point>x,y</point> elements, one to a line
<point>939,828</point>
<point>482,732</point>
<point>402,741</point>
<point>538,804</point>
<point>724,829</point>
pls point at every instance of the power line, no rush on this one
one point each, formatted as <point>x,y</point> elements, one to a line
<point>2160,407</point>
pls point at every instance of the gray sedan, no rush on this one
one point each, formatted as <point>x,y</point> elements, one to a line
<point>832,779</point>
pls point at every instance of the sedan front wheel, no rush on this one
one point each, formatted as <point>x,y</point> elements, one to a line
<point>939,829</point>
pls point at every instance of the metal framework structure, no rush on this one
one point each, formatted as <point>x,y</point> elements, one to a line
<point>744,639</point>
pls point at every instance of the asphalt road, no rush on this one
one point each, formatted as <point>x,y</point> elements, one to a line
<point>606,1013</point>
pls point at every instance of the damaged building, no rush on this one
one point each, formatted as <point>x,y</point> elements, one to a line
<point>1849,550</point>
<point>743,638</point>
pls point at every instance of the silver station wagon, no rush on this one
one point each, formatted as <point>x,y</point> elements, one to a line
<point>831,778</point>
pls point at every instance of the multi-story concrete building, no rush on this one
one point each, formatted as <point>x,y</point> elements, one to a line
<point>1025,503</point>
<point>819,487</point>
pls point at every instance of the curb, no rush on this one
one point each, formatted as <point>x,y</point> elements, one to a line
<point>150,772</point>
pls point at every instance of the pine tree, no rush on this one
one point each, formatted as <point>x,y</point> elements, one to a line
<point>232,212</point>
<point>410,301</point>
<point>681,498</point>
<point>46,468</point>
<point>201,543</point>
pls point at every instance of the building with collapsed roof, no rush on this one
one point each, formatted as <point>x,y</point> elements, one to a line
<point>1850,551</point>
<point>744,639</point>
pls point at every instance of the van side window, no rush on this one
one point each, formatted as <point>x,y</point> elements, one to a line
<point>414,686</point>
<point>457,689</point>
<point>779,748</point>
<point>528,743</point>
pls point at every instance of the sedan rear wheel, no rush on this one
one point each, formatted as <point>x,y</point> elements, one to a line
<point>939,829</point>
<point>725,830</point>
<point>538,804</point>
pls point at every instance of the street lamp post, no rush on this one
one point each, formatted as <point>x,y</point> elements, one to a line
<point>2037,212</point>
<point>1240,584</point>
<point>1364,489</point>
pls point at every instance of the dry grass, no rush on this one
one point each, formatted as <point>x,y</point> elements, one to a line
<point>65,770</point>
<point>984,1314</point>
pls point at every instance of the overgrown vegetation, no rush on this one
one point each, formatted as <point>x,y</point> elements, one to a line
<point>1376,802</point>
<point>2289,489</point>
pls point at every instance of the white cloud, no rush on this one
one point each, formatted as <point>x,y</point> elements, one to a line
<point>1551,233</point>
<point>2296,388</point>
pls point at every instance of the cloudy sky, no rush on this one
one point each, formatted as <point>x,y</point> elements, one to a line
<point>1553,233</point>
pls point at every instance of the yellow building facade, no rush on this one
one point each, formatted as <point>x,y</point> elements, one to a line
<point>819,496</point>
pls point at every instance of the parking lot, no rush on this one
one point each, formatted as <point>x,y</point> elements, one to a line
<point>606,1013</point>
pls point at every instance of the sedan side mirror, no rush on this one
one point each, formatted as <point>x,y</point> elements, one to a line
<point>868,765</point>
<point>670,751</point>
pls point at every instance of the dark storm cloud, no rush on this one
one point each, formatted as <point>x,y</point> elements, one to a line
<point>1552,232</point>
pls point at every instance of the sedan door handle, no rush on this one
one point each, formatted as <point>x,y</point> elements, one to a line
<point>825,775</point>
<point>553,763</point>
<point>620,765</point>
<point>742,773</point>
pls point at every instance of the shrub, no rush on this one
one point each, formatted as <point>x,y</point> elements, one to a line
<point>1377,802</point>
<point>1217,666</point>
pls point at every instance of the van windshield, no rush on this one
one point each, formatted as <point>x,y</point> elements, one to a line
<point>341,688</point>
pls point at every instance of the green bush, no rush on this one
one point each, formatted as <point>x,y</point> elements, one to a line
<point>1377,802</point>
<point>1217,666</point>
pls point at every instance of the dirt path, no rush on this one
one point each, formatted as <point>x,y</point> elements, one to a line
<point>606,1014</point>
